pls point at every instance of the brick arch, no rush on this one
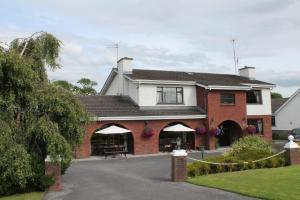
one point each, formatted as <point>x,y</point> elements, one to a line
<point>104,125</point>
<point>231,120</point>
<point>85,149</point>
<point>190,124</point>
<point>232,130</point>
<point>190,135</point>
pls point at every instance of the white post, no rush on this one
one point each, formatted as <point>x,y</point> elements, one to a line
<point>292,151</point>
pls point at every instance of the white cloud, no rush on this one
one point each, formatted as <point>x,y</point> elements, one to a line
<point>171,34</point>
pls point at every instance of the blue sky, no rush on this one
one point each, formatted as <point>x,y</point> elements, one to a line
<point>188,35</point>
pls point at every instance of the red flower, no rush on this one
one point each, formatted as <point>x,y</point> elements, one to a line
<point>251,129</point>
<point>148,132</point>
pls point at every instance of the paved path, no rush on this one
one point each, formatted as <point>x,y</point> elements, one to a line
<point>144,178</point>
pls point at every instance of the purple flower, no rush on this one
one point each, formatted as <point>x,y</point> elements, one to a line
<point>216,131</point>
<point>201,130</point>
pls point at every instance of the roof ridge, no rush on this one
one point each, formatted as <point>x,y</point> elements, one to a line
<point>185,72</point>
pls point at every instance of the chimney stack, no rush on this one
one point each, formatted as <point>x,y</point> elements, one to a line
<point>124,67</point>
<point>248,72</point>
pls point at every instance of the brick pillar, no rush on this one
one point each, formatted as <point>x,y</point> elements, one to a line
<point>292,152</point>
<point>53,169</point>
<point>211,141</point>
<point>178,169</point>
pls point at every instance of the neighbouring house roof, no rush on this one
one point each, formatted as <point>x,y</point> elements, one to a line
<point>285,101</point>
<point>200,78</point>
<point>277,103</point>
<point>123,106</point>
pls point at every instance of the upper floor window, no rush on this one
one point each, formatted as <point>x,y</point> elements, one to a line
<point>169,95</point>
<point>227,98</point>
<point>254,96</point>
<point>258,123</point>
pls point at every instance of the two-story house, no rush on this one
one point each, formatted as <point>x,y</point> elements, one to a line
<point>157,108</point>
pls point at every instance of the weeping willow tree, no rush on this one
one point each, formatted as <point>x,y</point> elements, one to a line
<point>36,118</point>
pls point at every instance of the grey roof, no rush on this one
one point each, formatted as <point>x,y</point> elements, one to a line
<point>123,106</point>
<point>201,78</point>
<point>277,103</point>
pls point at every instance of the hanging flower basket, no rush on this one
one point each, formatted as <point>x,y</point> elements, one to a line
<point>216,131</point>
<point>201,131</point>
<point>148,132</point>
<point>251,129</point>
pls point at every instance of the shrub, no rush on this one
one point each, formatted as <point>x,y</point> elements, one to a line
<point>199,168</point>
<point>15,170</point>
<point>45,182</point>
<point>261,164</point>
<point>244,151</point>
<point>251,165</point>
<point>250,148</point>
<point>204,169</point>
<point>216,169</point>
<point>192,170</point>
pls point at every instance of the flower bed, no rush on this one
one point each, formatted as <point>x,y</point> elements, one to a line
<point>198,168</point>
<point>243,156</point>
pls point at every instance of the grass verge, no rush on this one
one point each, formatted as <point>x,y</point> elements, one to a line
<point>25,196</point>
<point>275,183</point>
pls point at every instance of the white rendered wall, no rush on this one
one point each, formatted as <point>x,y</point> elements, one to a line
<point>261,109</point>
<point>148,95</point>
<point>113,88</point>
<point>288,117</point>
<point>130,88</point>
<point>133,91</point>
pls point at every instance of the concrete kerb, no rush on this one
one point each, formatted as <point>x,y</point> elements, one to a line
<point>96,158</point>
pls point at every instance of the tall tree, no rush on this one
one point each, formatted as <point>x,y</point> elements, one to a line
<point>86,87</point>
<point>36,118</point>
<point>64,84</point>
<point>275,95</point>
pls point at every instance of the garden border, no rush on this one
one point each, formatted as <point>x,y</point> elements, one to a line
<point>224,164</point>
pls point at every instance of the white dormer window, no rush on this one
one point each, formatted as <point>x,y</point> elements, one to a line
<point>169,95</point>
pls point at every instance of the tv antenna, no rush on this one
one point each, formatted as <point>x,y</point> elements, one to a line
<point>236,60</point>
<point>115,46</point>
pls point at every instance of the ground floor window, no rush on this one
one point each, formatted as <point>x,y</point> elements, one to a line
<point>258,123</point>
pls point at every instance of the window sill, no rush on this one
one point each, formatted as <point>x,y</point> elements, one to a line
<point>224,104</point>
<point>170,104</point>
<point>253,104</point>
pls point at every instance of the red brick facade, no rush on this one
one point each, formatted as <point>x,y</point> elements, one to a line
<point>53,169</point>
<point>218,113</point>
<point>141,145</point>
<point>267,125</point>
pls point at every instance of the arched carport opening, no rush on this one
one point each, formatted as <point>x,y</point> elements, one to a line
<point>99,142</point>
<point>184,137</point>
<point>230,132</point>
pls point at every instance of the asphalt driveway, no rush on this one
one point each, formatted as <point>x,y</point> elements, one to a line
<point>145,178</point>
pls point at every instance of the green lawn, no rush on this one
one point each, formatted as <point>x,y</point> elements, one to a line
<point>277,183</point>
<point>26,196</point>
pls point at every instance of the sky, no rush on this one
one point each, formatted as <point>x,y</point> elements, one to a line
<point>187,35</point>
